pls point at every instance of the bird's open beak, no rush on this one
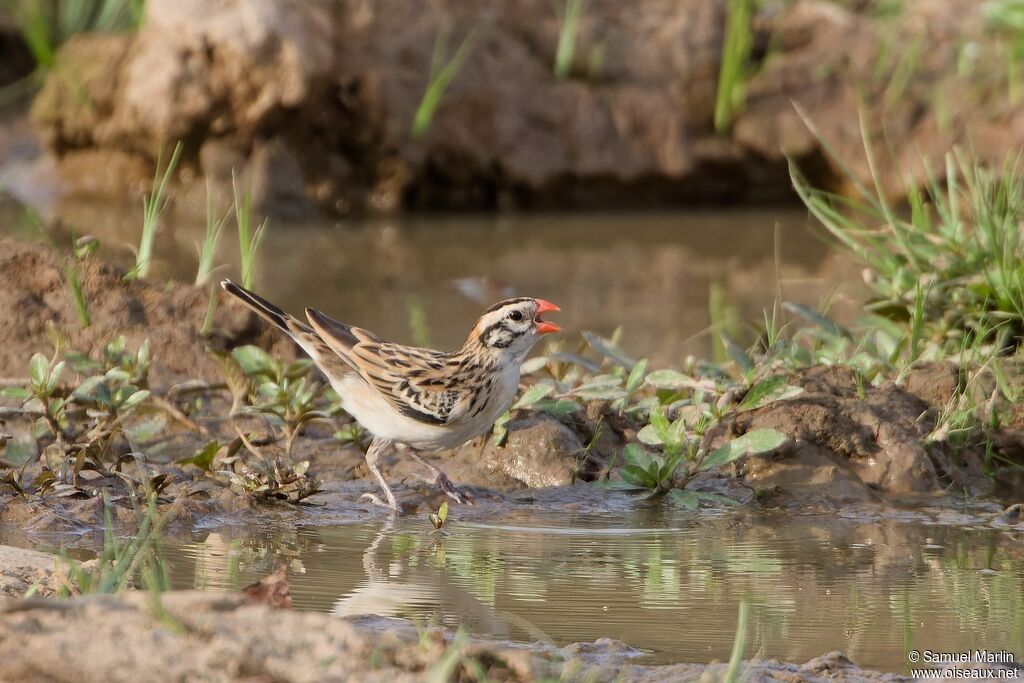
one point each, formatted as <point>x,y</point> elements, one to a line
<point>543,326</point>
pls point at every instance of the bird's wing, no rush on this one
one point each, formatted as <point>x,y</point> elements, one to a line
<point>417,382</point>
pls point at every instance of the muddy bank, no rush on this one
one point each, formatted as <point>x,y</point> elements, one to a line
<point>846,442</point>
<point>36,295</point>
<point>253,634</point>
<point>320,102</point>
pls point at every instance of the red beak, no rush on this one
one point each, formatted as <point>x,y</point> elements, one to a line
<point>543,326</point>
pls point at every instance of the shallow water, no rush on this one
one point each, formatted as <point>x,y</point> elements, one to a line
<point>666,583</point>
<point>665,277</point>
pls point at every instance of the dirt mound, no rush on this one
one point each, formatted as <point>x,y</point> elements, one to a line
<point>323,102</point>
<point>35,294</point>
<point>852,443</point>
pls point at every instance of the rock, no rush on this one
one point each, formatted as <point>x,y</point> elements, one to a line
<point>77,108</point>
<point>539,451</point>
<point>340,84</point>
<point>21,570</point>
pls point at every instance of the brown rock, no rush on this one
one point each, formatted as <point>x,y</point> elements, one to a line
<point>539,451</point>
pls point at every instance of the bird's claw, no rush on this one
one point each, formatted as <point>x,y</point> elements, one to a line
<point>376,500</point>
<point>456,493</point>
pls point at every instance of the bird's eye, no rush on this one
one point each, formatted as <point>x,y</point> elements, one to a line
<point>515,315</point>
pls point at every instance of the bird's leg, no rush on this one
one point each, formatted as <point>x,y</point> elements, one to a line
<point>372,454</point>
<point>456,493</point>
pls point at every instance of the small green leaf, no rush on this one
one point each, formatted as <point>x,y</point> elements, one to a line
<point>757,441</point>
<point>135,399</point>
<point>442,512</point>
<point>745,363</point>
<point>203,459</point>
<point>760,391</point>
<point>636,376</point>
<point>816,318</point>
<point>20,393</point>
<point>86,391</point>
<point>676,435</point>
<point>533,395</point>
<point>533,365</point>
<point>118,375</point>
<point>636,455</point>
<point>599,393</point>
<point>51,382</point>
<point>669,379</point>
<point>637,476</point>
<point>254,360</point>
<point>561,406</point>
<point>717,498</point>
<point>687,499</point>
<point>501,428</point>
<point>608,349</point>
<point>299,368</point>
<point>38,370</point>
<point>660,423</point>
<point>649,436</point>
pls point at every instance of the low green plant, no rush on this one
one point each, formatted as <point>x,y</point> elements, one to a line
<point>736,47</point>
<point>283,392</point>
<point>437,519</point>
<point>80,249</point>
<point>680,442</point>
<point>567,35</point>
<point>42,394</point>
<point>248,240</point>
<point>153,205</point>
<point>950,274</point>
<point>208,249</point>
<point>45,26</point>
<point>1006,17</point>
<point>739,642</point>
<point>441,77</point>
<point>121,564</point>
<point>457,663</point>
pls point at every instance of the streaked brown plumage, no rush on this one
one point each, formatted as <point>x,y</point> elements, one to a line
<point>419,398</point>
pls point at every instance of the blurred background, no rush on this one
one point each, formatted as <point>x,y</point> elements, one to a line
<point>417,160</point>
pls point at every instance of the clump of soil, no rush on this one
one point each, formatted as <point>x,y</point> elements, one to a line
<point>851,443</point>
<point>35,294</point>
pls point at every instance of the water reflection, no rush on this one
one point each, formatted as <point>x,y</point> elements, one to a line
<point>873,590</point>
<point>654,273</point>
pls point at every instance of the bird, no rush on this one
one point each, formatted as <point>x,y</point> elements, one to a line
<point>415,399</point>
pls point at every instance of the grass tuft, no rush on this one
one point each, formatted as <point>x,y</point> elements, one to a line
<point>949,274</point>
<point>248,240</point>
<point>567,37</point>
<point>736,47</point>
<point>440,78</point>
<point>153,205</point>
<point>45,26</point>
<point>208,249</point>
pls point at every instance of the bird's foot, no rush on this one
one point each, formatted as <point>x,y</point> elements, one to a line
<point>390,504</point>
<point>460,495</point>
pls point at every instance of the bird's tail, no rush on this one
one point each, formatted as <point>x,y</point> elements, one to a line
<point>265,309</point>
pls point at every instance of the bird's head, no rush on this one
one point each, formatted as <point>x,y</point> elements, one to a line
<point>511,327</point>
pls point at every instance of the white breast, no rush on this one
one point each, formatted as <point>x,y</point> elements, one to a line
<point>382,420</point>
